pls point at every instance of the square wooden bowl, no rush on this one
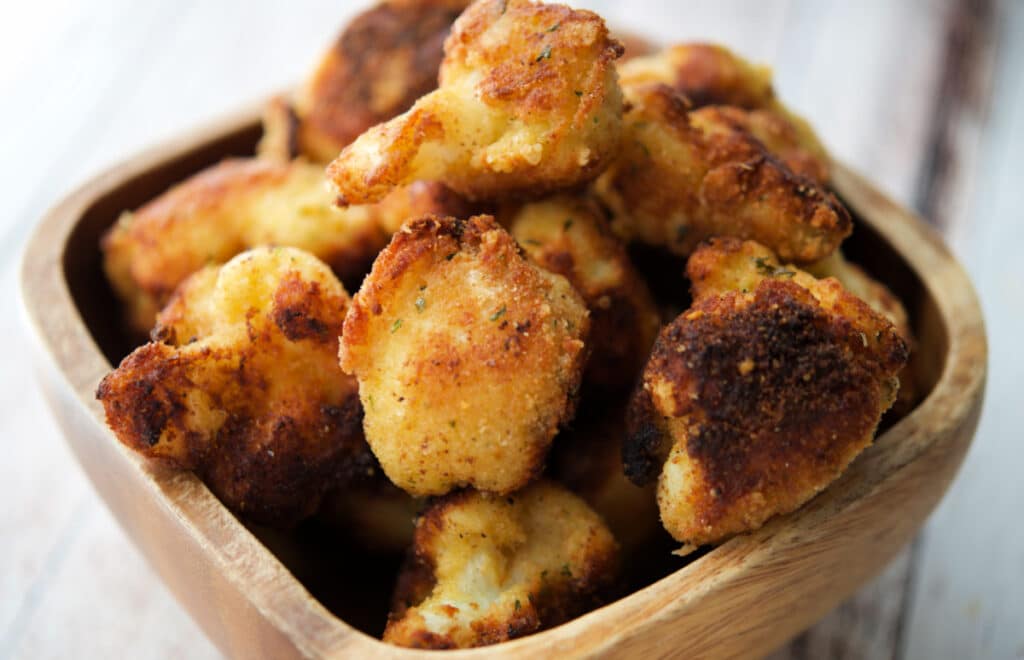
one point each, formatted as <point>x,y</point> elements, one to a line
<point>742,598</point>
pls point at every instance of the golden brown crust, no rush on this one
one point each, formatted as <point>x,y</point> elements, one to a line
<point>241,385</point>
<point>221,211</point>
<point>568,235</point>
<point>384,60</point>
<point>485,569</point>
<point>527,104</point>
<point>468,357</point>
<point>683,176</point>
<point>764,391</point>
<point>707,74</point>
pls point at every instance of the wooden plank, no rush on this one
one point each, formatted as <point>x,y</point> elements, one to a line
<point>969,595</point>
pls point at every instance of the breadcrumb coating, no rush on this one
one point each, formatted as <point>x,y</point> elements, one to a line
<point>684,176</point>
<point>568,235</point>
<point>386,57</point>
<point>241,385</point>
<point>224,210</point>
<point>708,74</point>
<point>468,357</point>
<point>527,104</point>
<point>485,569</point>
<point>758,396</point>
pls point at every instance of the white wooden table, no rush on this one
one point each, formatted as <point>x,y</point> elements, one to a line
<point>925,96</point>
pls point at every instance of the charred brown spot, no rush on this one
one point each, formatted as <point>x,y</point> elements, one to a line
<point>298,309</point>
<point>776,388</point>
<point>647,444</point>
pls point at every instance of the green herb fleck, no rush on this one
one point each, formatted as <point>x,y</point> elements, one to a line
<point>578,92</point>
<point>544,54</point>
<point>766,268</point>
<point>595,121</point>
<point>498,314</point>
<point>451,423</point>
<point>530,241</point>
<point>567,225</point>
<point>396,325</point>
<point>565,570</point>
<point>544,575</point>
<point>450,257</point>
<point>420,304</point>
<point>517,605</point>
<point>555,27</point>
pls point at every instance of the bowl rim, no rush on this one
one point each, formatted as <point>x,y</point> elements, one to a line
<point>941,425</point>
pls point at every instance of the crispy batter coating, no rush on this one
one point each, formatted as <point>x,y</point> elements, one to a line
<point>760,395</point>
<point>683,176</point>
<point>468,357</point>
<point>485,569</point>
<point>528,103</point>
<point>385,58</point>
<point>707,74</point>
<point>223,210</point>
<point>882,300</point>
<point>568,235</point>
<point>587,458</point>
<point>241,385</point>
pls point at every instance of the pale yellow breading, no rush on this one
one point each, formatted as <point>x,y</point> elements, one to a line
<point>758,396</point>
<point>528,103</point>
<point>859,283</point>
<point>568,235</point>
<point>241,385</point>
<point>223,210</point>
<point>485,569</point>
<point>468,357</point>
<point>683,176</point>
<point>708,74</point>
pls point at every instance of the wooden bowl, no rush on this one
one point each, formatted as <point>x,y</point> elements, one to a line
<point>742,598</point>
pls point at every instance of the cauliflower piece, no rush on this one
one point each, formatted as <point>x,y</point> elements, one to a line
<point>707,74</point>
<point>683,176</point>
<point>468,357</point>
<point>569,236</point>
<point>243,203</point>
<point>221,211</point>
<point>528,103</point>
<point>241,385</point>
<point>587,458</point>
<point>758,396</point>
<point>484,569</point>
<point>882,300</point>
<point>386,57</point>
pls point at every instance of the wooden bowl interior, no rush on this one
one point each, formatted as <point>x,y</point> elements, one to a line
<point>354,584</point>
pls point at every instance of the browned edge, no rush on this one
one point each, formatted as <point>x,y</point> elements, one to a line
<point>779,579</point>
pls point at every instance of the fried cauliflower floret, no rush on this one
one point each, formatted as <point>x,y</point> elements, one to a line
<point>528,103</point>
<point>683,176</point>
<point>882,300</point>
<point>484,569</point>
<point>241,385</point>
<point>569,236</point>
<point>758,396</point>
<point>707,74</point>
<point>468,357</point>
<point>386,57</point>
<point>587,458</point>
<point>223,210</point>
